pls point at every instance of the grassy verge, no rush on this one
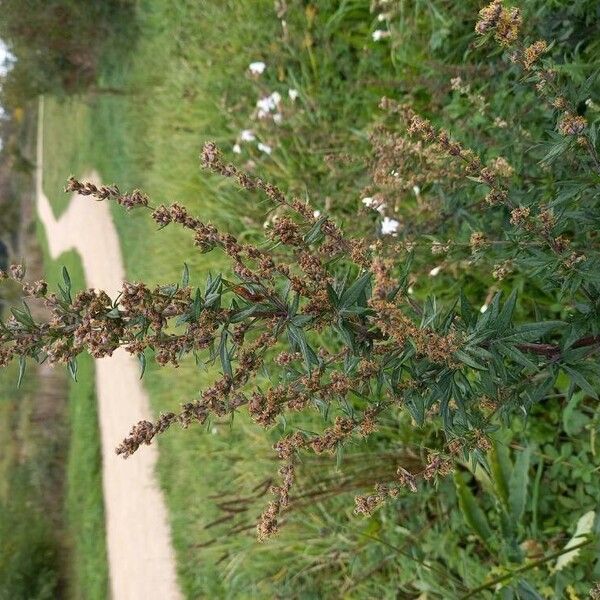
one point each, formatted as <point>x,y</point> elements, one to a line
<point>87,568</point>
<point>31,563</point>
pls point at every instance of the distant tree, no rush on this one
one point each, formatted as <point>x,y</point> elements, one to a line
<point>57,44</point>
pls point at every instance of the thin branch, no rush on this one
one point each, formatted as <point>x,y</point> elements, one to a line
<point>527,567</point>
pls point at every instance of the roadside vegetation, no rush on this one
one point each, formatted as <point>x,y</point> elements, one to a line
<point>309,120</point>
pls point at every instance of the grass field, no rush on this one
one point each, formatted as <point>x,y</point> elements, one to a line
<point>86,570</point>
<point>186,81</point>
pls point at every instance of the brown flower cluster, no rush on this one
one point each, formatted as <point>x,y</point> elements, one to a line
<point>399,327</point>
<point>129,201</point>
<point>367,504</point>
<point>532,53</point>
<point>504,22</point>
<point>571,124</point>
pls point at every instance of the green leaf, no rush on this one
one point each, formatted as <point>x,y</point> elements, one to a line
<point>501,469</point>
<point>314,233</point>
<point>518,483</point>
<point>22,317</point>
<point>66,278</point>
<point>72,368</point>
<point>505,316</point>
<point>516,355</point>
<point>298,337</point>
<point>533,331</point>
<point>185,276</point>
<point>142,361</point>
<point>573,420</point>
<point>246,312</point>
<point>224,355</point>
<point>22,366</point>
<point>463,357</point>
<point>581,381</point>
<point>333,297</point>
<point>197,305</point>
<point>472,512</point>
<point>354,292</point>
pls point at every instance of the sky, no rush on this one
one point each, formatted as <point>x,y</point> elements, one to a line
<point>5,58</point>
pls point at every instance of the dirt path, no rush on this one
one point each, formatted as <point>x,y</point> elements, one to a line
<point>140,555</point>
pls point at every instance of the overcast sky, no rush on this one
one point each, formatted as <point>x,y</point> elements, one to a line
<point>5,57</point>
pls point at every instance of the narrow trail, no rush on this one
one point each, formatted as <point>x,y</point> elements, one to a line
<point>141,559</point>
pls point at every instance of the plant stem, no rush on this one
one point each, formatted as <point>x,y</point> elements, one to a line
<point>531,565</point>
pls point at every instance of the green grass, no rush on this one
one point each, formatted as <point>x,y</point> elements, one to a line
<point>87,567</point>
<point>186,82</point>
<point>31,549</point>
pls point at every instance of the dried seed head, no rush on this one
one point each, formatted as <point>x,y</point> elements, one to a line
<point>571,124</point>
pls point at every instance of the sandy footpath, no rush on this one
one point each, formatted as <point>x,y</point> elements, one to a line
<point>140,555</point>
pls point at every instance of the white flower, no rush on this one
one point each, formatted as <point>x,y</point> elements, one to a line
<point>214,431</point>
<point>416,190</point>
<point>247,135</point>
<point>316,214</point>
<point>237,149</point>
<point>257,68</point>
<point>368,202</point>
<point>382,17</point>
<point>277,118</point>
<point>267,104</point>
<point>483,308</point>
<point>264,148</point>
<point>435,271</point>
<point>389,226</point>
<point>379,35</point>
<point>264,107</point>
<point>410,289</point>
<point>293,94</point>
<point>373,203</point>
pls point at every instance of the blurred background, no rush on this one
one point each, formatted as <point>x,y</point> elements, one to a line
<point>131,90</point>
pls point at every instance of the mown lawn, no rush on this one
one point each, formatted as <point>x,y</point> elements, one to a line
<point>186,81</point>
